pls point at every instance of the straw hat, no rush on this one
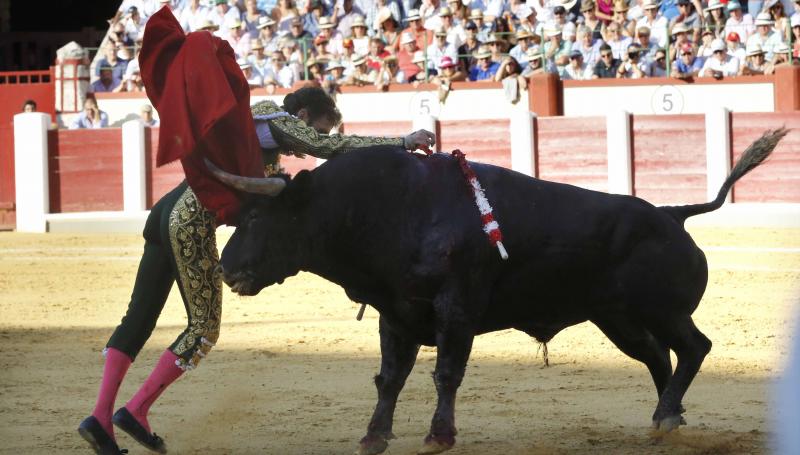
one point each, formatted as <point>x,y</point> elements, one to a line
<point>208,25</point>
<point>413,15</point>
<point>264,22</point>
<point>552,31</point>
<point>234,23</point>
<point>325,22</point>
<point>476,14</point>
<point>359,60</point>
<point>653,4</point>
<point>495,38</point>
<point>406,38</point>
<point>358,21</point>
<point>483,52</point>
<point>754,49</point>
<point>714,4</point>
<point>532,54</point>
<point>257,44</point>
<point>384,14</point>
<point>680,27</point>
<point>781,48</point>
<point>333,64</point>
<point>445,11</point>
<point>764,19</point>
<point>620,6</point>
<point>440,31</point>
<point>523,34</point>
<point>587,5</point>
<point>567,4</point>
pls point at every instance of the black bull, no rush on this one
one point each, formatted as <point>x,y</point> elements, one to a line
<point>402,233</point>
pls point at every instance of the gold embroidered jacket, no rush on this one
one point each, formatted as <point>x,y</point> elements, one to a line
<point>294,136</point>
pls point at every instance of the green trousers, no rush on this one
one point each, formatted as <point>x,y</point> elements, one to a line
<point>180,247</point>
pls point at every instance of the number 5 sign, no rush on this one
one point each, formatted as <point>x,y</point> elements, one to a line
<point>667,99</point>
<point>424,103</point>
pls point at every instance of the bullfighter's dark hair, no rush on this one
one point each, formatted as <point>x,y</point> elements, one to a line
<point>315,101</point>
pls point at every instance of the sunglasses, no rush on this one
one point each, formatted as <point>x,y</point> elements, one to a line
<point>718,52</point>
<point>613,30</point>
<point>660,59</point>
<point>606,54</point>
<point>559,13</point>
<point>686,53</point>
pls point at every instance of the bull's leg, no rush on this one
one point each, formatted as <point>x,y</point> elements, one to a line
<point>638,343</point>
<point>691,347</point>
<point>453,345</point>
<point>397,359</point>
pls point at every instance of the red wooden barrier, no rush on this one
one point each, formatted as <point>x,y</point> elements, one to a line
<point>85,170</point>
<point>573,150</point>
<point>485,141</point>
<point>669,158</point>
<point>160,180</point>
<point>777,180</point>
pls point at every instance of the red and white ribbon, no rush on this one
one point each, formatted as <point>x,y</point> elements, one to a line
<point>490,226</point>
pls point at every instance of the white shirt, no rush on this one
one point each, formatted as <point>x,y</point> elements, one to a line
<point>658,29</point>
<point>729,66</point>
<point>620,48</point>
<point>192,20</point>
<point>285,76</point>
<point>435,54</point>
<point>582,73</point>
<point>743,28</point>
<point>767,43</point>
<point>628,66</point>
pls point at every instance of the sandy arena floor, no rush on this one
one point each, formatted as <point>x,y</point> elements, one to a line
<point>292,373</point>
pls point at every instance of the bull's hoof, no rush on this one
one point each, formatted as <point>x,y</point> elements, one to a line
<point>669,423</point>
<point>373,445</point>
<point>436,444</point>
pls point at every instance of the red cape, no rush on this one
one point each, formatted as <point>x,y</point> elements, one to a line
<point>203,101</point>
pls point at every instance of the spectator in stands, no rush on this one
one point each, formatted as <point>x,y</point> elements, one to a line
<point>524,38</point>
<point>250,18</point>
<point>715,18</point>
<point>568,33</point>
<point>238,38</point>
<point>680,37</point>
<point>117,35</point>
<point>388,30</point>
<point>358,34</point>
<point>334,77</point>
<point>314,11</point>
<point>267,33</point>
<point>658,67</point>
<point>704,47</point>
<point>209,26</point>
<point>132,82</point>
<point>654,21</point>
<point>448,72</point>
<point>632,66</point>
<point>428,12</point>
<point>577,70</point>
<point>347,54</point>
<point>588,46</point>
<point>254,78</point>
<point>470,46</point>
<point>320,49</point>
<point>455,32</point>
<point>405,57</point>
<point>315,70</point>
<point>476,16</point>
<point>720,64</point>
<point>485,69</point>
<point>389,73</point>
<point>134,24</point>
<point>607,66</point>
<point>781,58</point>
<point>283,15</point>
<point>756,63</point>
<point>279,72</point>
<point>535,61</point>
<point>626,26</point>
<point>192,16</point>
<point>258,58</point>
<point>111,60</point>
<point>527,21</point>
<point>690,19</point>
<point>106,83</point>
<point>556,51</point>
<point>440,48</point>
<point>735,48</point>
<point>362,74</point>
<point>779,17</point>
<point>765,35</point>
<point>687,66</point>
<point>560,16</point>
<point>796,34</point>
<point>146,114</point>
<point>497,46</point>
<point>509,68</point>
<point>345,13</point>
<point>29,106</point>
<point>739,22</point>
<point>335,40</point>
<point>616,41</point>
<point>460,11</point>
<point>222,15</point>
<point>91,117</point>
<point>422,74</point>
<point>648,47</point>
<point>590,19</point>
<point>417,30</point>
<point>377,54</point>
<point>300,36</point>
<point>379,12</point>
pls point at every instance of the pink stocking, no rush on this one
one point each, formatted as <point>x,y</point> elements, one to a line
<point>116,366</point>
<point>164,374</point>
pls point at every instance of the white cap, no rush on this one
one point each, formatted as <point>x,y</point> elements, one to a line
<point>718,45</point>
<point>764,19</point>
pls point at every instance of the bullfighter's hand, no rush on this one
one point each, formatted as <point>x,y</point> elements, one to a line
<point>420,139</point>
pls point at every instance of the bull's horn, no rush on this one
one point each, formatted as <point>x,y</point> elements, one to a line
<point>270,186</point>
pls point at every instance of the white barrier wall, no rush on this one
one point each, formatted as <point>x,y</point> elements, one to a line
<point>31,172</point>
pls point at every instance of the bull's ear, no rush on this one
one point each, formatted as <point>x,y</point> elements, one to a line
<point>299,190</point>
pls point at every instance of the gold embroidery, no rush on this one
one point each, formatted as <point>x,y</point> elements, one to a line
<point>193,239</point>
<point>297,137</point>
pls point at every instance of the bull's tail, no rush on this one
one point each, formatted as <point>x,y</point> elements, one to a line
<point>755,154</point>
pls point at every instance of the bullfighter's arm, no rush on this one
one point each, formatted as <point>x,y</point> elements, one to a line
<point>294,135</point>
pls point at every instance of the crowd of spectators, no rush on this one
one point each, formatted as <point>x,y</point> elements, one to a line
<point>384,42</point>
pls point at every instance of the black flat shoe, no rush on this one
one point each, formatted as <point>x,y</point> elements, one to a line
<point>102,443</point>
<point>126,422</point>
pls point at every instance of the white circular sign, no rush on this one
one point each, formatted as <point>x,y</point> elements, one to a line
<point>424,103</point>
<point>667,99</point>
